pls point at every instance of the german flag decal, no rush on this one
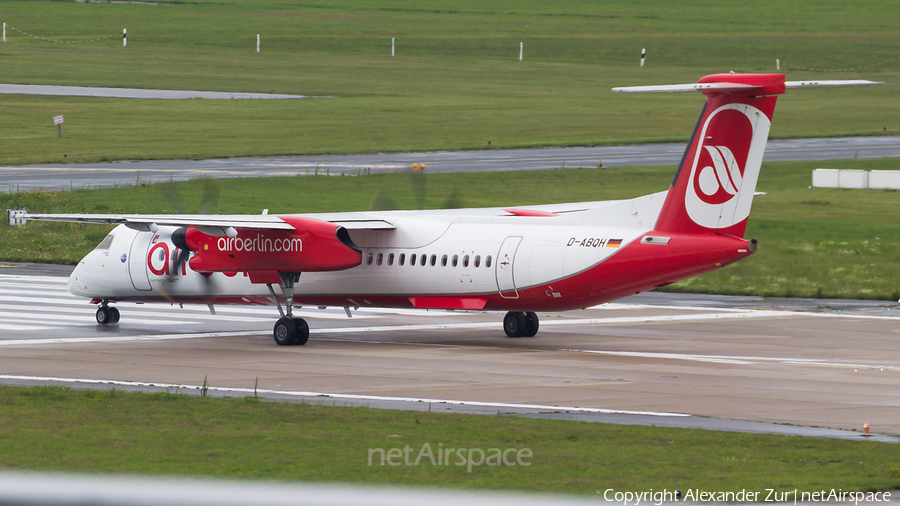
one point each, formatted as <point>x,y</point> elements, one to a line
<point>613,243</point>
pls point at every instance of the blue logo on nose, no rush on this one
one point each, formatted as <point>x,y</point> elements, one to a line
<point>124,258</point>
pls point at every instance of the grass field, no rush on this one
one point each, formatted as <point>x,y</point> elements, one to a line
<point>50,428</point>
<point>456,81</point>
<point>813,243</point>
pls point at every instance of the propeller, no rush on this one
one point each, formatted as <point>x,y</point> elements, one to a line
<point>212,190</point>
<point>382,201</point>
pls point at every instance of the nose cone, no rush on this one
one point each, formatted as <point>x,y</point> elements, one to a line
<point>76,284</point>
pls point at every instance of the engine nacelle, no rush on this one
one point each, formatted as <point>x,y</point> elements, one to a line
<point>313,246</point>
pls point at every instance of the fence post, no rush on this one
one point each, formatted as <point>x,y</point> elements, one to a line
<point>521,50</point>
<point>643,54</point>
<point>124,37</point>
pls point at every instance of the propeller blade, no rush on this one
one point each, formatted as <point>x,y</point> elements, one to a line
<point>382,202</point>
<point>417,180</point>
<point>173,197</point>
<point>454,200</point>
<point>212,189</point>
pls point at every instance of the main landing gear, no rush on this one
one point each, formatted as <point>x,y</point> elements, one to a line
<point>106,314</point>
<point>519,324</point>
<point>288,330</point>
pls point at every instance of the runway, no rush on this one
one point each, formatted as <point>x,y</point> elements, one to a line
<point>72,176</point>
<point>741,364</point>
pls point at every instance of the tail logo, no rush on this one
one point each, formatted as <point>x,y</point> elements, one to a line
<point>723,176</point>
<point>726,161</point>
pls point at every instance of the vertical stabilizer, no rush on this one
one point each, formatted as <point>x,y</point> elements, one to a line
<point>714,186</point>
<point>715,182</point>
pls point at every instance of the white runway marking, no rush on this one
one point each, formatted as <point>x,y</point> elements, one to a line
<point>355,397</point>
<point>39,304</point>
<point>742,360</point>
<point>87,319</point>
<point>116,339</point>
<point>8,326</point>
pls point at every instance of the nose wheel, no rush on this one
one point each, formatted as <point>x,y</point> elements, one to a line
<point>519,324</point>
<point>106,315</point>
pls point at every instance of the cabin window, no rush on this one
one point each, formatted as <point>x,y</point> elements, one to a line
<point>444,261</point>
<point>423,259</point>
<point>477,260</point>
<point>466,261</point>
<point>433,260</point>
<point>487,261</point>
<point>379,259</point>
<point>106,242</point>
<point>402,258</point>
<point>412,259</point>
<point>391,259</point>
<point>369,258</point>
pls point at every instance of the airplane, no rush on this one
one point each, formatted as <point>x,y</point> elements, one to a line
<point>520,260</point>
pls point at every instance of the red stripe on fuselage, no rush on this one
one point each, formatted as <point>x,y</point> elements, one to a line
<point>634,268</point>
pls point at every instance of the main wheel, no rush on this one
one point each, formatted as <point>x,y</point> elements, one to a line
<point>113,315</point>
<point>103,316</point>
<point>514,324</point>
<point>285,332</point>
<point>531,324</point>
<point>302,331</point>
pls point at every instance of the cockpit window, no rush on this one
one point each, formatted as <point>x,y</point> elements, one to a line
<point>106,242</point>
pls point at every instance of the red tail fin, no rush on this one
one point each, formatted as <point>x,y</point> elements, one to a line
<point>714,186</point>
<point>716,180</point>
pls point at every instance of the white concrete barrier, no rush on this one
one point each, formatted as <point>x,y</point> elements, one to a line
<point>853,179</point>
<point>884,179</point>
<point>825,178</point>
<point>856,179</point>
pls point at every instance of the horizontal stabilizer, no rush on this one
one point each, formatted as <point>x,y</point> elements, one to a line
<point>681,88</point>
<point>795,85</point>
<point>722,87</point>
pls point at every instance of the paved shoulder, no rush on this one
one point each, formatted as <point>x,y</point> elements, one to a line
<point>86,91</point>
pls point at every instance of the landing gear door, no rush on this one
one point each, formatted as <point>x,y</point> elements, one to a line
<point>506,284</point>
<point>137,261</point>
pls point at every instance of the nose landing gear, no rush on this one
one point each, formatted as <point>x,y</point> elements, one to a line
<point>519,324</point>
<point>106,314</point>
<point>288,330</point>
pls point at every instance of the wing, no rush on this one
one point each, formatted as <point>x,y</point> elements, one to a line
<point>212,224</point>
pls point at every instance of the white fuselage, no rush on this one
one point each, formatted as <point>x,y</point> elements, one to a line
<point>465,252</point>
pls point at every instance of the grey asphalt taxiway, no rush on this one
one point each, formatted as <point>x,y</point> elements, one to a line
<point>69,176</point>
<point>784,366</point>
<point>85,91</point>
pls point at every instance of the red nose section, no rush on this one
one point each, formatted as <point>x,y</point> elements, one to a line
<point>313,246</point>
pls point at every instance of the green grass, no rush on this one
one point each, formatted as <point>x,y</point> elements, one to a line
<point>51,428</point>
<point>456,81</point>
<point>813,243</point>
